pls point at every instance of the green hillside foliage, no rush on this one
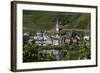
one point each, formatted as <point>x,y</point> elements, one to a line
<point>45,20</point>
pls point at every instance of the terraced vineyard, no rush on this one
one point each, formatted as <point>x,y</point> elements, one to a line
<point>46,20</point>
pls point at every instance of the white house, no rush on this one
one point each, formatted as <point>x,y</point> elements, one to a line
<point>86,37</point>
<point>26,34</point>
<point>40,39</point>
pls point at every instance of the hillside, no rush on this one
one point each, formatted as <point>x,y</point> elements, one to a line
<point>43,20</point>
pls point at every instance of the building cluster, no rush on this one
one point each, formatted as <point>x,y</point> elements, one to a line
<point>44,38</point>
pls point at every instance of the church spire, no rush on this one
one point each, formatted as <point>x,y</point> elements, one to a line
<point>57,25</point>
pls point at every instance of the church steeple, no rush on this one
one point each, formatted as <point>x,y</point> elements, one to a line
<point>57,25</point>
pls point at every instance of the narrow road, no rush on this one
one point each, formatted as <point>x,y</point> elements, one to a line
<point>84,30</point>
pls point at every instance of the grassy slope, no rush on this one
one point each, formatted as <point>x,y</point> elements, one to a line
<point>47,20</point>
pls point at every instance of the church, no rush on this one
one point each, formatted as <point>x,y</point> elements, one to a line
<point>57,39</point>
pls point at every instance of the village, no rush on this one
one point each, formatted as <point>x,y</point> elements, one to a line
<point>44,38</point>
